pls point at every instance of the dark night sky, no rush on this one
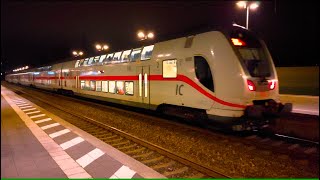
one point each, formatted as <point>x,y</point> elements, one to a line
<point>40,32</point>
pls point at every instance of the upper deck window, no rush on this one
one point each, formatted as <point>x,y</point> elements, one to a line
<point>96,60</point>
<point>125,56</point>
<point>116,57</point>
<point>85,61</point>
<point>77,63</point>
<point>147,52</point>
<point>102,58</point>
<point>135,55</point>
<point>108,59</point>
<point>90,61</point>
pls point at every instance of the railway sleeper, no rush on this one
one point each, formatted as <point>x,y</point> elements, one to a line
<point>135,151</point>
<point>127,147</point>
<point>176,171</point>
<point>153,160</point>
<point>164,165</point>
<point>121,143</point>
<point>144,155</point>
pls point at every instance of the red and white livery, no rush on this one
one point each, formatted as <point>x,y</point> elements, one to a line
<point>225,76</point>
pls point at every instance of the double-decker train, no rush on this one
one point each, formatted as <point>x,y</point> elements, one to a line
<point>223,76</point>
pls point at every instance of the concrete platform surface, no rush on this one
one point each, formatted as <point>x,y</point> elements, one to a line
<point>38,144</point>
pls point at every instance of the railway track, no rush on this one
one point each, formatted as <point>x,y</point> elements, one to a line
<point>160,159</point>
<point>164,161</point>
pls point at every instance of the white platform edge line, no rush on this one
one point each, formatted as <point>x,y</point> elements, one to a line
<point>35,129</point>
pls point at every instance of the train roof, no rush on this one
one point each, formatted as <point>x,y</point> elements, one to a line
<point>69,62</point>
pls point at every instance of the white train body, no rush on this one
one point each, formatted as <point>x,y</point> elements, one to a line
<point>208,72</point>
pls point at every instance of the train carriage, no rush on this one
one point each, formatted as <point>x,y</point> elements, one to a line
<point>225,76</point>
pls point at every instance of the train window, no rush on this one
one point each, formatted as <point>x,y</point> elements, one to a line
<point>112,86</point>
<point>169,68</point>
<point>92,85</point>
<point>125,56</point>
<point>96,60</point>
<point>104,86</point>
<point>81,62</point>
<point>109,58</point>
<point>85,61</point>
<point>116,57</point>
<point>147,52</point>
<point>102,58</point>
<point>87,85</point>
<point>77,63</point>
<point>82,84</point>
<point>203,72</point>
<point>129,87</point>
<point>119,88</point>
<point>90,61</point>
<point>98,85</point>
<point>135,55</point>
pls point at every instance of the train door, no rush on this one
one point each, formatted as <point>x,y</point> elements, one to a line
<point>77,84</point>
<point>143,73</point>
<point>59,78</point>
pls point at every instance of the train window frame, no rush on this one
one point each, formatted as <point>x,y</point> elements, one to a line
<point>99,89</point>
<point>118,56</point>
<point>125,88</point>
<point>203,81</point>
<point>113,84</point>
<point>144,52</point>
<point>164,75</point>
<point>103,85</point>
<point>125,53</point>
<point>135,51</point>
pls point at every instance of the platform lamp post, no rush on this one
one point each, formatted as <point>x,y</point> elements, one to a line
<point>77,53</point>
<point>102,47</point>
<point>142,36</point>
<point>248,5</point>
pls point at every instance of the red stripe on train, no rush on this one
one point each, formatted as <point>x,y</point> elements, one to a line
<point>160,78</point>
<point>157,78</point>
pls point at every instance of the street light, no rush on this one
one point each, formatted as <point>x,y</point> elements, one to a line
<point>102,47</point>
<point>248,5</point>
<point>142,36</point>
<point>77,53</point>
<point>20,69</point>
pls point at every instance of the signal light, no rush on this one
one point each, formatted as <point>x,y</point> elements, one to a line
<point>272,84</point>
<point>251,85</point>
<point>238,42</point>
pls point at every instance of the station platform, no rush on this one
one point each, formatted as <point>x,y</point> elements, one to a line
<point>38,144</point>
<point>302,104</point>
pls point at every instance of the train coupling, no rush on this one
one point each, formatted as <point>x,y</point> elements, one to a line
<point>259,115</point>
<point>268,108</point>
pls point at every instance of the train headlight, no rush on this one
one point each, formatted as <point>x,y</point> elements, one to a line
<point>251,85</point>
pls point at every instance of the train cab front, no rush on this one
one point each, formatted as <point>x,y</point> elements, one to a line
<point>261,86</point>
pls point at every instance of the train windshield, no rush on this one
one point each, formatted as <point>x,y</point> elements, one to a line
<point>252,53</point>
